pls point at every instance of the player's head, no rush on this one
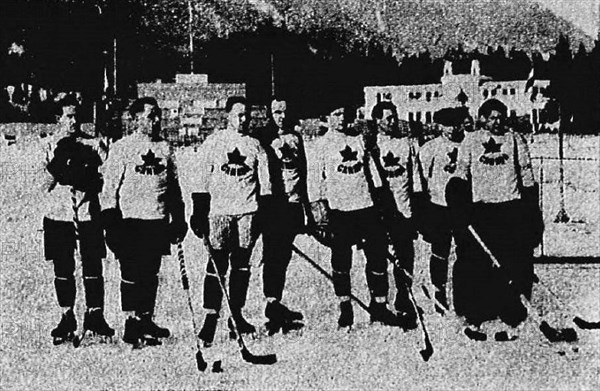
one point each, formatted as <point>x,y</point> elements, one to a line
<point>336,119</point>
<point>278,111</point>
<point>450,120</point>
<point>385,115</point>
<point>492,114</point>
<point>67,114</point>
<point>237,114</point>
<point>146,116</point>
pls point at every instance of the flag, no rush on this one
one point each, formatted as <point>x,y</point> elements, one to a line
<point>530,80</point>
<point>106,83</point>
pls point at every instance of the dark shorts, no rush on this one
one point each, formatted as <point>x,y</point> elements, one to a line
<point>143,239</point>
<point>59,239</point>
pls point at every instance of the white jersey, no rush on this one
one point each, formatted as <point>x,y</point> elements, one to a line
<point>233,169</point>
<point>61,203</point>
<point>288,166</point>
<point>336,172</point>
<point>498,166</point>
<point>398,165</point>
<point>439,161</point>
<point>140,179</point>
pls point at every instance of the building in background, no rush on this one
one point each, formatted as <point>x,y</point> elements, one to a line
<point>417,103</point>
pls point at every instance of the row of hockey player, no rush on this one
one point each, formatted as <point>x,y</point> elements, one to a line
<point>362,183</point>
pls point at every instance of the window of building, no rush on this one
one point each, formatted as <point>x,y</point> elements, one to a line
<point>411,116</point>
<point>436,94</point>
<point>504,91</point>
<point>411,95</point>
<point>428,96</point>
<point>534,116</point>
<point>513,91</point>
<point>535,90</point>
<point>486,93</point>
<point>428,117</point>
<point>513,113</point>
<point>494,92</point>
<point>418,95</point>
<point>418,116</point>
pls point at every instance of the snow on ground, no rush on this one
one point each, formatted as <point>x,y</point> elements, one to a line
<point>316,357</point>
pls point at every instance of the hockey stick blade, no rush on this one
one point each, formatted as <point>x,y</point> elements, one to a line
<point>585,325</point>
<point>200,363</point>
<point>558,335</point>
<point>267,359</point>
<point>427,352</point>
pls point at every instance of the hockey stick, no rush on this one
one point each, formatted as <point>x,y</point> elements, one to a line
<point>552,334</point>
<point>427,351</point>
<point>324,272</point>
<point>77,338</point>
<point>200,362</point>
<point>267,359</point>
<point>581,323</point>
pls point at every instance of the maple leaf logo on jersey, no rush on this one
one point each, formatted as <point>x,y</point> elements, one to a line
<point>450,167</point>
<point>392,166</point>
<point>348,155</point>
<point>151,165</point>
<point>492,155</point>
<point>235,165</point>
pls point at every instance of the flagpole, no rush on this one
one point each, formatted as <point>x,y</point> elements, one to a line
<point>191,35</point>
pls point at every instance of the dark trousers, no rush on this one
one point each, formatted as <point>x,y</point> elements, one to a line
<point>59,246</point>
<point>282,224</point>
<point>482,292</point>
<point>140,256</point>
<point>402,236</point>
<point>349,228</point>
<point>239,278</point>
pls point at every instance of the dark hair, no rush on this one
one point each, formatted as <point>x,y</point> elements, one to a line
<point>138,106</point>
<point>492,105</point>
<point>68,100</point>
<point>377,112</point>
<point>232,100</point>
<point>449,116</point>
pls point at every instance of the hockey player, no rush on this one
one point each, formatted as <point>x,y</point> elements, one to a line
<point>495,164</point>
<point>396,164</point>
<point>282,213</point>
<point>439,160</point>
<point>234,174</point>
<point>143,213</point>
<point>338,179</point>
<point>72,159</point>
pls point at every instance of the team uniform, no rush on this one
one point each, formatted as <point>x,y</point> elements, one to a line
<point>439,161</point>
<point>282,215</point>
<point>498,168</point>
<point>141,183</point>
<point>397,164</point>
<point>340,174</point>
<point>234,172</point>
<point>71,186</point>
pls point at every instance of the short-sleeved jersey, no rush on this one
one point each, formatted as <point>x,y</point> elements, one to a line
<point>287,164</point>
<point>140,179</point>
<point>439,161</point>
<point>498,166</point>
<point>398,165</point>
<point>234,171</point>
<point>337,172</point>
<point>62,202</point>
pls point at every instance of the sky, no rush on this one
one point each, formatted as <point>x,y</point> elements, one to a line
<point>584,14</point>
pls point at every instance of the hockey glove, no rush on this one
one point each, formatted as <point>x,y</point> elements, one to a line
<point>199,218</point>
<point>177,230</point>
<point>318,222</point>
<point>533,216</point>
<point>421,214</point>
